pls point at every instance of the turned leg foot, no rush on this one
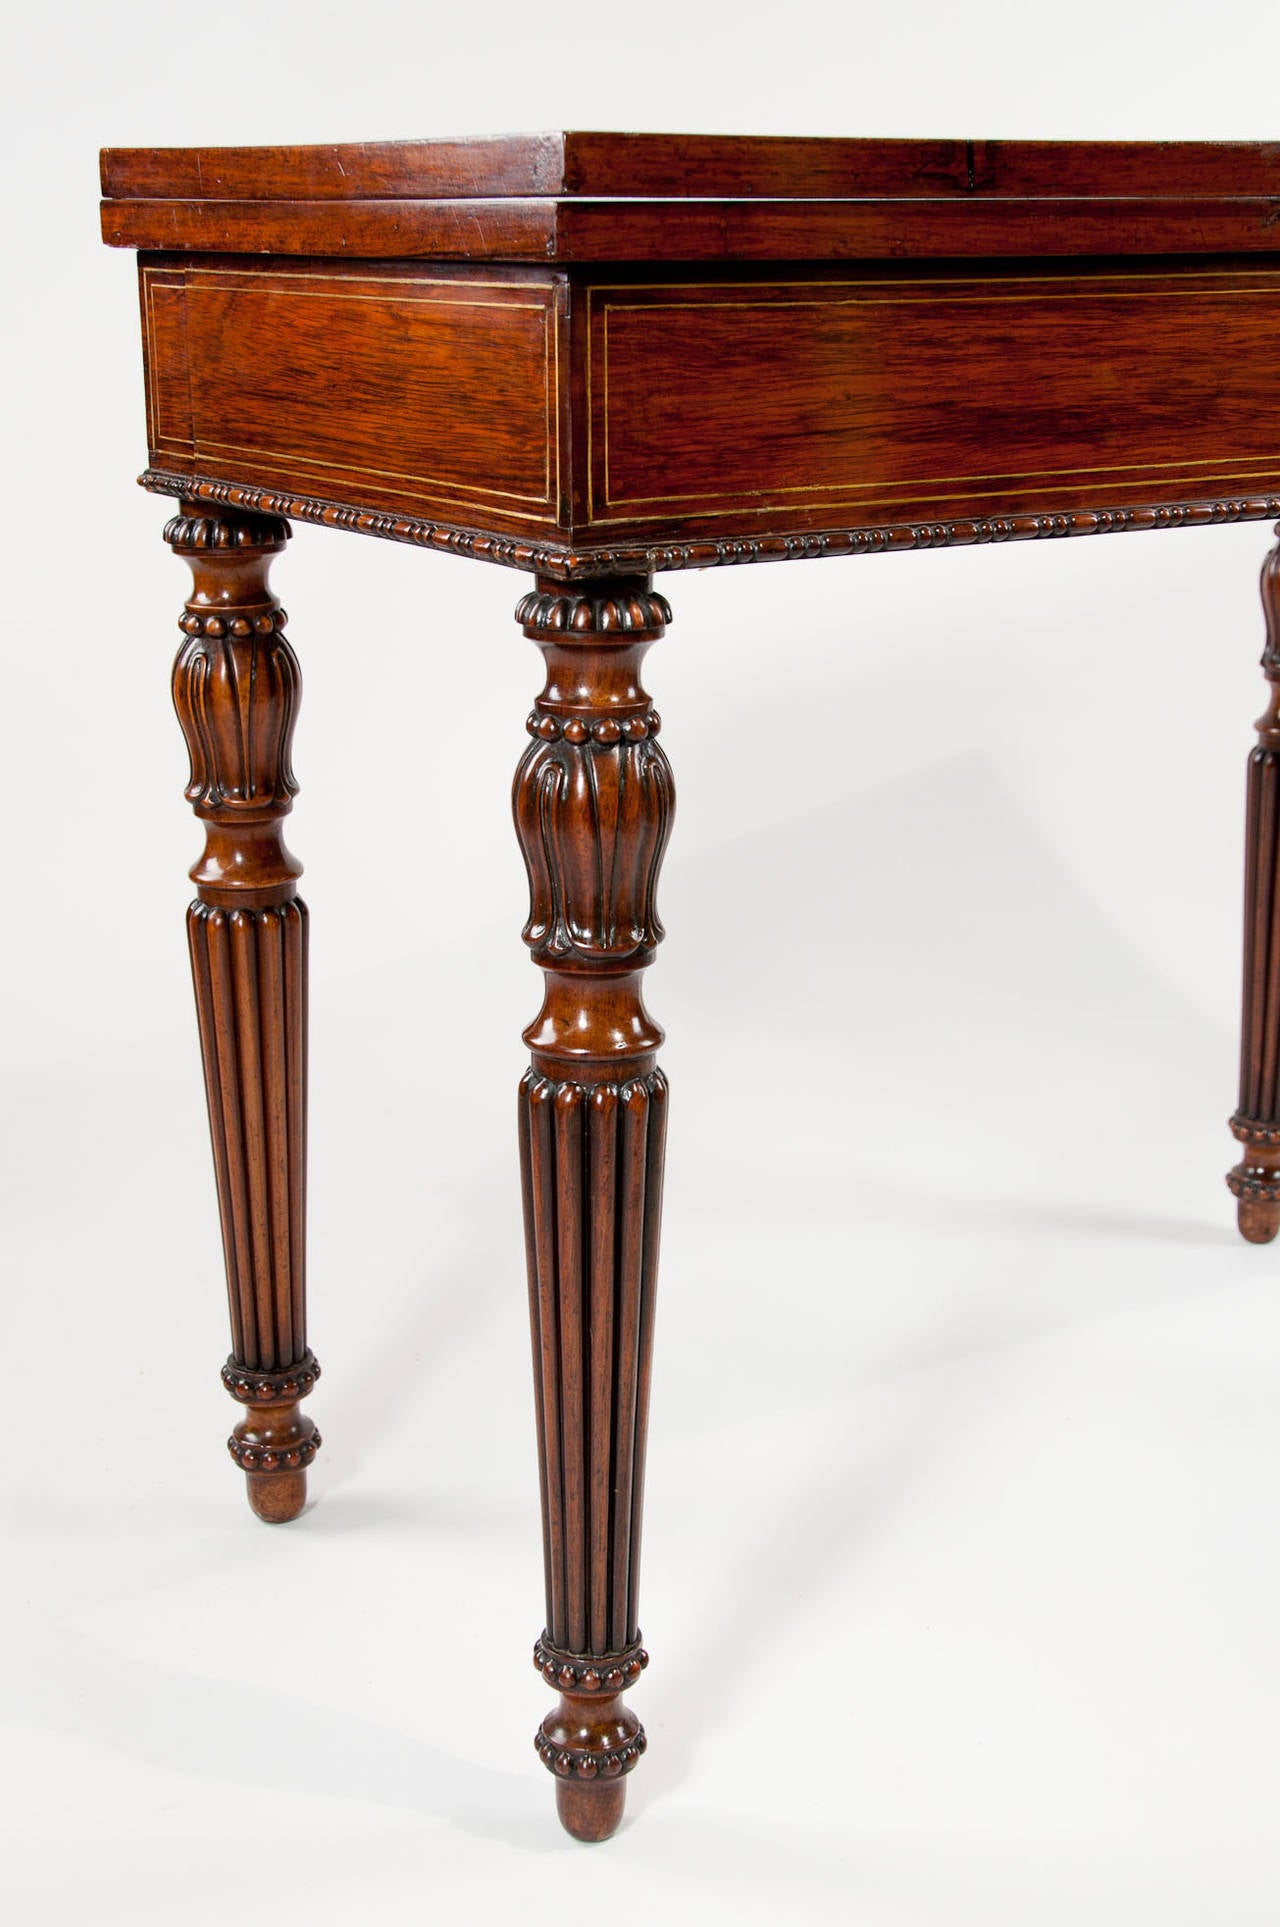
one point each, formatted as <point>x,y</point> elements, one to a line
<point>235,687</point>
<point>275,1441</point>
<point>593,805</point>
<point>591,1811</point>
<point>1258,1222</point>
<point>277,1500</point>
<point>592,1739</point>
<point>1256,1180</point>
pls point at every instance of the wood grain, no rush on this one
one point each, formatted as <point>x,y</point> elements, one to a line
<point>600,422</point>
<point>592,357</point>
<point>593,803</point>
<point>450,385</point>
<point>235,688</point>
<point>517,164</point>
<point>452,230</point>
<point>878,397</point>
<point>698,165</point>
<point>682,228</point>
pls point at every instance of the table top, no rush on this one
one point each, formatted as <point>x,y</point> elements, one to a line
<point>634,352</point>
<point>584,197</point>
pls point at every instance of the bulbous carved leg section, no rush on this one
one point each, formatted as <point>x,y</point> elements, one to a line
<point>589,1746</point>
<point>235,687</point>
<point>593,804</point>
<point>273,1449</point>
<point>274,1442</point>
<point>591,1739</point>
<point>1255,1181</point>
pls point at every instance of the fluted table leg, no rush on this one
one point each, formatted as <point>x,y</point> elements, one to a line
<point>235,687</point>
<point>593,806</point>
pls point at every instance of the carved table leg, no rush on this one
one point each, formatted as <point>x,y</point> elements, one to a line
<point>593,805</point>
<point>235,688</point>
<point>1256,1179</point>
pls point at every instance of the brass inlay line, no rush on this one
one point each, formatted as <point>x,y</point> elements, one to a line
<point>554,436</point>
<point>922,281</point>
<point>153,425</point>
<point>604,409</point>
<point>998,478</point>
<point>461,490</point>
<point>376,280</point>
<point>356,468</point>
<point>408,300</point>
<point>906,301</point>
<point>152,276</point>
<point>746,500</point>
<point>446,493</point>
<point>740,507</point>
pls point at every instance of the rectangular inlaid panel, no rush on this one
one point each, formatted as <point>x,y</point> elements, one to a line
<point>860,400</point>
<point>418,391</point>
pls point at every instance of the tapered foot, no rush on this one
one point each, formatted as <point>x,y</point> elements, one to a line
<point>590,1742</point>
<point>1259,1223</point>
<point>277,1497</point>
<point>591,1812</point>
<point>1255,1181</point>
<point>275,1441</point>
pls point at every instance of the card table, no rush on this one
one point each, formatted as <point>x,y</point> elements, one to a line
<point>595,358</point>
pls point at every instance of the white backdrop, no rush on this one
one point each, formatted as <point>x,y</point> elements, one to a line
<point>960,1562</point>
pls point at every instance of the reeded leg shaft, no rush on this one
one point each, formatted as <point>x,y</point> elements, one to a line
<point>593,806</point>
<point>235,687</point>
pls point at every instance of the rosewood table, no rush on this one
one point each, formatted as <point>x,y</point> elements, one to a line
<point>593,358</point>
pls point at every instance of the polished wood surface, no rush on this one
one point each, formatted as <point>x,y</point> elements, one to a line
<point>236,687</point>
<point>740,166</point>
<point>572,565</point>
<point>669,197</point>
<point>699,230</point>
<point>593,804</point>
<point>594,358</point>
<point>599,423</point>
<point>451,383</point>
<point>901,395</point>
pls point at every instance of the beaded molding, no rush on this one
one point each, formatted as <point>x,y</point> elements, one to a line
<point>266,1458</point>
<point>580,1763</point>
<point>1252,1130</point>
<point>195,623</point>
<point>604,730</point>
<point>586,1674</point>
<point>570,564</point>
<point>546,614</point>
<point>247,530</point>
<point>1254,1190</point>
<point>252,1387</point>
